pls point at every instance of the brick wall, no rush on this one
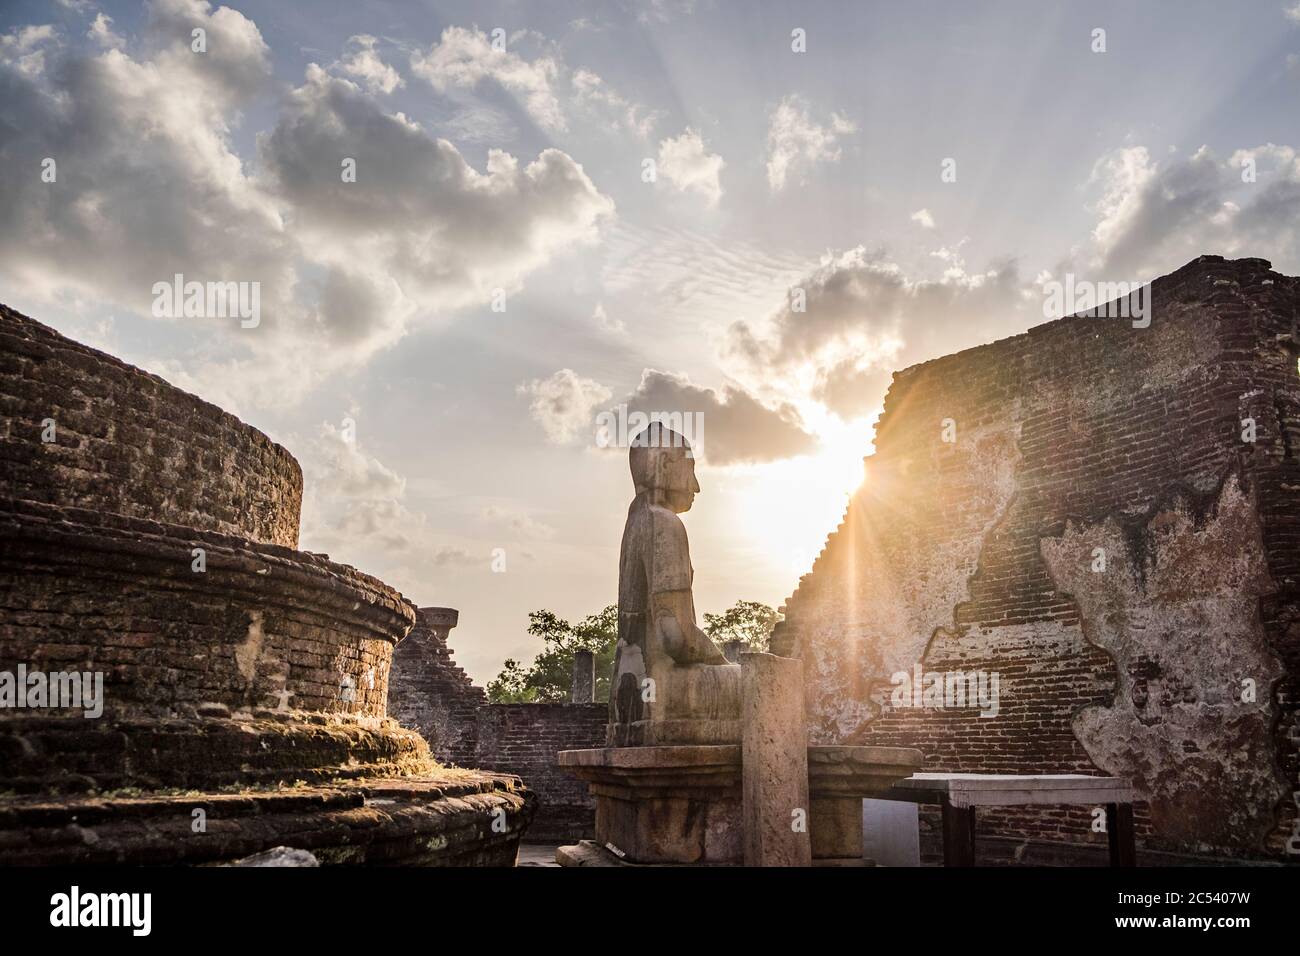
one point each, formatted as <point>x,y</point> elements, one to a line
<point>1087,436</point>
<point>431,694</point>
<point>523,739</point>
<point>128,442</point>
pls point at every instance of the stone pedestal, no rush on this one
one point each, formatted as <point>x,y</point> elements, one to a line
<point>673,804</point>
<point>775,758</point>
<point>838,779</point>
<point>684,804</point>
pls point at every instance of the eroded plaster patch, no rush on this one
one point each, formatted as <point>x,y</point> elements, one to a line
<point>1177,606</point>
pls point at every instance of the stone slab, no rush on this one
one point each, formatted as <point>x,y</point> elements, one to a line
<point>999,790</point>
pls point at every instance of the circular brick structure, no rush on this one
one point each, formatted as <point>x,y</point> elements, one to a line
<point>147,551</point>
<point>126,442</point>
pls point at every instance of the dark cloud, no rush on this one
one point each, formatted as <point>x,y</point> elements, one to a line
<point>737,426</point>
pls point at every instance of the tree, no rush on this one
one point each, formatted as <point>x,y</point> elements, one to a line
<point>550,677</point>
<point>749,622</point>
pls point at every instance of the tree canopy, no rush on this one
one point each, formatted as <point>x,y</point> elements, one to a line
<point>550,676</point>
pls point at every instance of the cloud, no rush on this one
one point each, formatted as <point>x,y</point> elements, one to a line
<point>593,94</point>
<point>738,428</point>
<point>564,404</point>
<point>923,217</point>
<point>661,11</point>
<point>453,557</point>
<point>353,501</point>
<point>517,521</point>
<point>445,232</point>
<point>23,49</point>
<point>687,165</point>
<point>1155,215</point>
<point>545,88</point>
<point>465,58</point>
<point>864,315</point>
<point>796,143</point>
<point>366,65</point>
<point>605,323</point>
<point>856,317</point>
<point>150,185</point>
<point>1292,13</point>
<point>101,32</point>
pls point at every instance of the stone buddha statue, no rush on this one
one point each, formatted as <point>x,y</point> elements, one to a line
<point>671,684</point>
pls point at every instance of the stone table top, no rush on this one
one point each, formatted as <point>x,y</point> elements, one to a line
<point>993,790</point>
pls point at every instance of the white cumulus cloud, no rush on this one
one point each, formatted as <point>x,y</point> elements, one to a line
<point>564,404</point>
<point>796,142</point>
<point>686,163</point>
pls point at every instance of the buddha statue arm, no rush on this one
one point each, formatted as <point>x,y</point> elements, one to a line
<point>684,642</point>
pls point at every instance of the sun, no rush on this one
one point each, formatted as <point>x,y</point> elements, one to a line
<point>788,507</point>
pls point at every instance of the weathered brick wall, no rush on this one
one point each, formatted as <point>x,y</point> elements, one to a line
<point>261,627</point>
<point>1087,434</point>
<point>142,544</point>
<point>524,738</point>
<point>129,443</point>
<point>430,693</point>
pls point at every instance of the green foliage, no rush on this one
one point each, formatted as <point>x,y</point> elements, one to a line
<point>549,678</point>
<point>749,622</point>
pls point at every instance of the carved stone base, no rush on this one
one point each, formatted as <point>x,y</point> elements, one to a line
<point>838,779</point>
<point>682,804</point>
<point>674,804</point>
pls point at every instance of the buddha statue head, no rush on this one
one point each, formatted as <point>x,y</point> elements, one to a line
<point>663,468</point>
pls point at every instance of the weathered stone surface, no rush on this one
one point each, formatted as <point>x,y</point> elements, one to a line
<point>584,678</point>
<point>838,779</point>
<point>974,555</point>
<point>775,762</point>
<point>670,804</point>
<point>449,818</point>
<point>1178,611</point>
<point>587,853</point>
<point>671,684</point>
<point>278,856</point>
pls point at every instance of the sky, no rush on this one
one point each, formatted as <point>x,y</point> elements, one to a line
<point>752,212</point>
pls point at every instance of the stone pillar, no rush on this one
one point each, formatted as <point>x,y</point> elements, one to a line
<point>584,678</point>
<point>440,620</point>
<point>731,651</point>
<point>774,763</point>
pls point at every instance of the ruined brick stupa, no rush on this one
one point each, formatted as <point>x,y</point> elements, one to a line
<point>150,538</point>
<point>1107,517</point>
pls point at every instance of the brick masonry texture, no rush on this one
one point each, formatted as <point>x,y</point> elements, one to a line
<point>153,542</point>
<point>524,739</point>
<point>95,592</point>
<point>1086,436</point>
<point>131,444</point>
<point>430,693</point>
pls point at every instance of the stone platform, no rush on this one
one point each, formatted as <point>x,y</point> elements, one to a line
<point>683,804</point>
<point>448,818</point>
